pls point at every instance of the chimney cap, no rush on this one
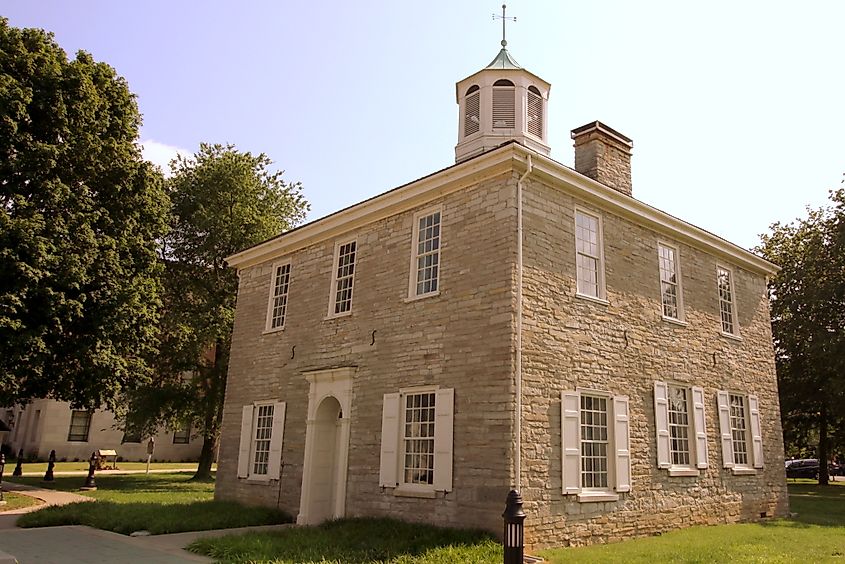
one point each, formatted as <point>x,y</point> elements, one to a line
<point>600,127</point>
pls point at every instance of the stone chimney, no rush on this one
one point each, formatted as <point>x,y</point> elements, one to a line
<point>603,155</point>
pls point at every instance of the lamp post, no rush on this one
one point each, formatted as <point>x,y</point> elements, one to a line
<point>514,538</point>
<point>19,466</point>
<point>2,467</point>
<point>51,463</point>
<point>90,484</point>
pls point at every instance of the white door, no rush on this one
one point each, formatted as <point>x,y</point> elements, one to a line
<point>324,469</point>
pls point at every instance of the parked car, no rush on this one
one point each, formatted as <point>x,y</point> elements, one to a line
<point>803,468</point>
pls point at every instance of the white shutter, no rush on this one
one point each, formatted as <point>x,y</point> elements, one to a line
<point>389,441</point>
<point>723,400</point>
<point>622,443</point>
<point>246,442</point>
<point>756,435</point>
<point>699,427</point>
<point>661,423</point>
<point>274,465</point>
<point>570,434</point>
<point>444,412</point>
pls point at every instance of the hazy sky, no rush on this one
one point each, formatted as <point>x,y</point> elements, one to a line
<point>736,108</point>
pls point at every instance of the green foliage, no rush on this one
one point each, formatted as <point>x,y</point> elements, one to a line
<point>223,201</point>
<point>81,215</point>
<point>808,324</point>
<point>356,541</point>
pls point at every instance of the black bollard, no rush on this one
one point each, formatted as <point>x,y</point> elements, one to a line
<point>90,484</point>
<point>2,468</point>
<point>514,540</point>
<point>51,463</point>
<point>19,466</point>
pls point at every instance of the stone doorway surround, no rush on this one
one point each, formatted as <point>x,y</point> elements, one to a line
<point>329,388</point>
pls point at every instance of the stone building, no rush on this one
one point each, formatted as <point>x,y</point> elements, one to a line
<point>505,322</point>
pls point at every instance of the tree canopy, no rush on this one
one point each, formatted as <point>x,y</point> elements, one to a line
<point>223,201</point>
<point>808,323</point>
<point>81,218</point>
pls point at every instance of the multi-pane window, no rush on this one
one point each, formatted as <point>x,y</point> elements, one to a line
<point>261,439</point>
<point>588,254</point>
<point>80,423</point>
<point>594,442</point>
<point>739,433</point>
<point>427,254</point>
<point>182,436</point>
<point>726,300</point>
<point>418,438</point>
<point>344,276</point>
<point>670,288</point>
<point>279,295</point>
<point>679,439</point>
<point>472,122</point>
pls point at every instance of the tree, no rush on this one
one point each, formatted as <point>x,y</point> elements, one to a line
<point>224,201</point>
<point>81,215</point>
<point>808,323</point>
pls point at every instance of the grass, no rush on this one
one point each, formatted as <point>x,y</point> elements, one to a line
<point>815,534</point>
<point>17,501</point>
<point>158,503</point>
<point>355,541</point>
<point>41,467</point>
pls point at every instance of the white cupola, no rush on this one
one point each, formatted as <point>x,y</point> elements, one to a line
<point>502,102</point>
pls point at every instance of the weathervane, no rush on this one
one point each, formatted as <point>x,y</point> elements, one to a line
<point>504,18</point>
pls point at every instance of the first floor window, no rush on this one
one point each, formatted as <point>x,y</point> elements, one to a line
<point>681,428</point>
<point>594,435</point>
<point>80,424</point>
<point>416,447</point>
<point>262,429</point>
<point>739,421</point>
<point>182,436</point>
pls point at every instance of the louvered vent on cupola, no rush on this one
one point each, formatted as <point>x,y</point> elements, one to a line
<point>504,105</point>
<point>535,112</point>
<point>472,121</point>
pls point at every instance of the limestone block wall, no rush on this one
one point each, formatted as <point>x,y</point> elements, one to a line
<point>623,347</point>
<point>461,339</point>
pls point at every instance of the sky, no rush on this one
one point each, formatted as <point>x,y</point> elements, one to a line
<point>736,108</point>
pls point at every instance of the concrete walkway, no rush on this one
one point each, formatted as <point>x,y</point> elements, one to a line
<point>109,472</point>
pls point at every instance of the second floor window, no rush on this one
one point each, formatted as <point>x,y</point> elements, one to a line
<point>588,259</point>
<point>670,283</point>
<point>80,423</point>
<point>344,274</point>
<point>425,272</point>
<point>279,296</point>
<point>726,301</point>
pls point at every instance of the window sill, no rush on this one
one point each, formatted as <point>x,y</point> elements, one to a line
<point>730,336</point>
<point>595,497</point>
<point>337,315</point>
<point>422,296</point>
<point>404,491</point>
<point>680,471</point>
<point>591,298</point>
<point>271,331</point>
<point>743,471</point>
<point>674,321</point>
<point>257,480</point>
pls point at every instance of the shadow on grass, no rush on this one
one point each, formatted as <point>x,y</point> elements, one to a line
<point>157,518</point>
<point>356,541</point>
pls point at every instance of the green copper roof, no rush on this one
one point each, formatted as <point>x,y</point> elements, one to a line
<point>503,61</point>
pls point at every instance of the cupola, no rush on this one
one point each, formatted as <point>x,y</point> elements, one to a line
<point>502,102</point>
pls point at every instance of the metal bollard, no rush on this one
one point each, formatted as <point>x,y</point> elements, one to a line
<point>19,466</point>
<point>90,484</point>
<point>51,463</point>
<point>514,538</point>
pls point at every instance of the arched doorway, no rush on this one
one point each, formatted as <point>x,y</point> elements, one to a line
<point>324,471</point>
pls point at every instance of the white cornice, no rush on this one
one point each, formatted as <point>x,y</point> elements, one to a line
<point>483,167</point>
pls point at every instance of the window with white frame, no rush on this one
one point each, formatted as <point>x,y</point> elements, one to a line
<point>589,255</point>
<point>260,450</point>
<point>416,441</point>
<point>425,265</point>
<point>726,301</point>
<point>344,276</point>
<point>670,282</point>
<point>80,424</point>
<point>739,422</point>
<point>595,445</point>
<point>472,121</point>
<point>278,296</point>
<point>681,428</point>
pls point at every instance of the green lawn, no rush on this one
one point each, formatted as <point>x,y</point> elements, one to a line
<point>159,503</point>
<point>41,467</point>
<point>17,501</point>
<point>815,534</point>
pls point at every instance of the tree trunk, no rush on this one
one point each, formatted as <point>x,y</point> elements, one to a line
<point>823,446</point>
<point>213,412</point>
<point>209,446</point>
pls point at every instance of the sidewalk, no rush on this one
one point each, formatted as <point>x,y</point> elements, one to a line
<point>107,472</point>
